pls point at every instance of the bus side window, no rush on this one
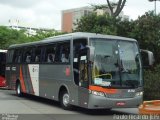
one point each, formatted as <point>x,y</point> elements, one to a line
<point>27,56</point>
<point>19,57</point>
<point>63,53</point>
<point>37,55</point>
<point>10,54</point>
<point>15,55</point>
<point>50,53</point>
<point>50,58</point>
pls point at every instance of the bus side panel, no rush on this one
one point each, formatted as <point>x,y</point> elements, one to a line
<point>8,76</point>
<point>12,74</point>
<point>26,74</point>
<point>52,77</point>
<point>21,73</point>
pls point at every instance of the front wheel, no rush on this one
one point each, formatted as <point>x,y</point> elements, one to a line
<point>18,89</point>
<point>64,100</point>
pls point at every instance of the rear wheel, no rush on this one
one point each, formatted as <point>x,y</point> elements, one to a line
<point>64,100</point>
<point>18,89</point>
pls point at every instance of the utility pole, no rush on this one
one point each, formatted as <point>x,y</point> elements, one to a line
<point>155,5</point>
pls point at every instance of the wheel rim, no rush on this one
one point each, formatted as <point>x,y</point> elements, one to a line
<point>18,89</point>
<point>66,99</point>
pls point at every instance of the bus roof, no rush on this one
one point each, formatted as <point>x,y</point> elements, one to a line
<point>75,35</point>
<point>3,51</point>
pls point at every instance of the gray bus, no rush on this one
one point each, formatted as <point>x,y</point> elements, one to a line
<point>89,70</point>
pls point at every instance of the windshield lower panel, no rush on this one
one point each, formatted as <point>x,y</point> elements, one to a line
<point>116,64</point>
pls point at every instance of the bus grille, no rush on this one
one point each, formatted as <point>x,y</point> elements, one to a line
<point>118,96</point>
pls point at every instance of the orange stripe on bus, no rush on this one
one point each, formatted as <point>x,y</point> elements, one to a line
<point>22,81</point>
<point>101,89</point>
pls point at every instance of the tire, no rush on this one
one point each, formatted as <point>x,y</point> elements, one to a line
<point>19,90</point>
<point>64,100</point>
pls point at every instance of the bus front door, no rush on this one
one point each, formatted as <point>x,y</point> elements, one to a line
<point>83,78</point>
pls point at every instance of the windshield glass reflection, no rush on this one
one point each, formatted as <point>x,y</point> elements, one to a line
<point>116,63</point>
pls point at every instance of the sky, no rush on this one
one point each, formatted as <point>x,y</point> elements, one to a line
<point>47,13</point>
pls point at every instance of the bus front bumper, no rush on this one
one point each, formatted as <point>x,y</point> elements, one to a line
<point>99,102</point>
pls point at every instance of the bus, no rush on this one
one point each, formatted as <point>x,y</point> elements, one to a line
<point>2,67</point>
<point>88,70</point>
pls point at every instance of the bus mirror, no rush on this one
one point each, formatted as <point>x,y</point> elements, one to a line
<point>147,58</point>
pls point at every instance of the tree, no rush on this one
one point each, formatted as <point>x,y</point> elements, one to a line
<point>45,34</point>
<point>9,36</point>
<point>105,25</point>
<point>120,5</point>
<point>147,31</point>
<point>115,8</point>
<point>97,24</point>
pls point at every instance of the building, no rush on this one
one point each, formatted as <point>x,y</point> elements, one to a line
<point>30,31</point>
<point>70,16</point>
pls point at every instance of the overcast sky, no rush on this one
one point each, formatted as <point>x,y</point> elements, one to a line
<point>47,13</point>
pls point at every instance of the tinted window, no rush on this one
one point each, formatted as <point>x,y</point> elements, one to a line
<point>17,57</point>
<point>78,45</point>
<point>10,56</point>
<point>27,55</point>
<point>3,57</point>
<point>63,52</point>
<point>50,53</point>
<point>37,55</point>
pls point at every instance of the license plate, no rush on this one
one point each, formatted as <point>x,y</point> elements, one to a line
<point>120,103</point>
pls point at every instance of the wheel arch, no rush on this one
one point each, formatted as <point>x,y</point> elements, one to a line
<point>61,89</point>
<point>18,81</point>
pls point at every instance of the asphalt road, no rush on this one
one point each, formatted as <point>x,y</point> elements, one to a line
<point>35,108</point>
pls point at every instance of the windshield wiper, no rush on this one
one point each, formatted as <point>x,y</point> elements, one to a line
<point>106,56</point>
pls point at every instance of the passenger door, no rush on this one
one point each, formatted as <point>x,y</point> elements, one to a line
<point>83,78</point>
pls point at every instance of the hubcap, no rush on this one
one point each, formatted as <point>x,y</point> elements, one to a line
<point>66,99</point>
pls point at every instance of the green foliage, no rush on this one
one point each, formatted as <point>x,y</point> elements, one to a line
<point>152,84</point>
<point>103,24</point>
<point>42,35</point>
<point>10,36</point>
<point>147,31</point>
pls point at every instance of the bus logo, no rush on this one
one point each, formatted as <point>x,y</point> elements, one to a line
<point>131,90</point>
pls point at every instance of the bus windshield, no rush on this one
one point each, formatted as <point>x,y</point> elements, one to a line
<point>116,64</point>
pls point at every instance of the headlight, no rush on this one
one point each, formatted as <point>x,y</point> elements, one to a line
<point>139,94</point>
<point>96,93</point>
